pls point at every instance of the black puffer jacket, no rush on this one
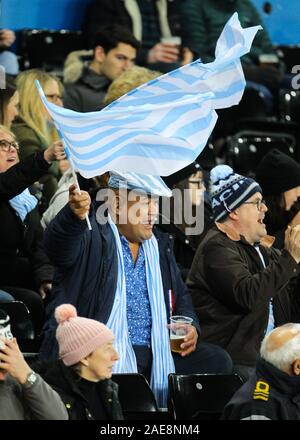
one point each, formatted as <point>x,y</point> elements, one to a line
<point>65,382</point>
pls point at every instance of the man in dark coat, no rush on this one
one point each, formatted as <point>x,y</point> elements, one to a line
<point>273,391</point>
<point>241,287</point>
<point>125,276</point>
<point>114,52</point>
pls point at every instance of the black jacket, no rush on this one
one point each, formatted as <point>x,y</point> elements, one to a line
<point>87,271</point>
<point>87,93</point>
<point>231,292</point>
<point>66,383</point>
<point>21,239</point>
<point>269,394</point>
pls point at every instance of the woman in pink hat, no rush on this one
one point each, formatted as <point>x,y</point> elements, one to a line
<point>82,375</point>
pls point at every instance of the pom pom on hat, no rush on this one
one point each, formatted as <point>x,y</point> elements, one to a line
<point>64,313</point>
<point>220,172</point>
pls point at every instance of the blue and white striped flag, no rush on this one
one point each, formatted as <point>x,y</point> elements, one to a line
<point>162,126</point>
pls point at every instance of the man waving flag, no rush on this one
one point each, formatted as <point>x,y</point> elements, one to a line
<point>163,125</point>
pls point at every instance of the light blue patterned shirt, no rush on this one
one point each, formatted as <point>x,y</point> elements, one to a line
<point>138,305</point>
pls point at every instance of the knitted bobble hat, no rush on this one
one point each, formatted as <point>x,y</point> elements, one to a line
<point>78,337</point>
<point>229,190</point>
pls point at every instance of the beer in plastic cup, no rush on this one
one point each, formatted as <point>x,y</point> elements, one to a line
<point>179,328</point>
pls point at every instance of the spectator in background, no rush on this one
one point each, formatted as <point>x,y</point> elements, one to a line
<point>25,271</point>
<point>114,52</point>
<point>206,19</point>
<point>24,395</point>
<point>33,128</point>
<point>149,21</point>
<point>129,80</point>
<point>273,392</point>
<point>9,103</point>
<point>241,287</point>
<point>279,177</point>
<point>82,376</point>
<point>8,60</point>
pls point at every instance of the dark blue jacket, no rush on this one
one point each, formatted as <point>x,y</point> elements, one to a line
<point>87,270</point>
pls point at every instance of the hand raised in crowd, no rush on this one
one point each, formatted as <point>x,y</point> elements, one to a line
<point>165,53</point>
<point>79,202</point>
<point>7,37</point>
<point>44,289</point>
<point>292,242</point>
<point>190,342</point>
<point>55,152</point>
<point>12,360</point>
<point>187,56</point>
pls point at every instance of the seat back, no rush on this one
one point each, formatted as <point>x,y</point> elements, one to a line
<point>201,396</point>
<point>290,54</point>
<point>21,325</point>
<point>135,395</point>
<point>47,49</point>
<point>246,148</point>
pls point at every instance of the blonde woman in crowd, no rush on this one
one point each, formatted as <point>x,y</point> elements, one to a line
<point>33,128</point>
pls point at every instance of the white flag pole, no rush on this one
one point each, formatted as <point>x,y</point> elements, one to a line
<point>74,175</point>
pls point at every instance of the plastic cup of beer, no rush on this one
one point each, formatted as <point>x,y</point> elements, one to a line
<point>179,328</point>
<point>173,41</point>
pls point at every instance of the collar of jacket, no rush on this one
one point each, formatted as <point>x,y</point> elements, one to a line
<point>267,241</point>
<point>93,80</point>
<point>65,379</point>
<point>283,382</point>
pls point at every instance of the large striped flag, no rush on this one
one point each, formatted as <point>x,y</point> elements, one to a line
<point>162,126</point>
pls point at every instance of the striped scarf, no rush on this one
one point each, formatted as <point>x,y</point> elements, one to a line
<point>162,363</point>
<point>23,203</point>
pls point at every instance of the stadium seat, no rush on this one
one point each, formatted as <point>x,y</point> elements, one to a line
<point>136,397</point>
<point>47,49</point>
<point>22,327</point>
<point>200,396</point>
<point>245,149</point>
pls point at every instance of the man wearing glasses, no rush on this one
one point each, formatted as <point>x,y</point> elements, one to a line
<point>241,287</point>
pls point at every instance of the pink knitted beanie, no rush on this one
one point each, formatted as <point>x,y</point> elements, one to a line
<point>78,337</point>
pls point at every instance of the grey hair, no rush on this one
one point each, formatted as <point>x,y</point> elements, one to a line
<point>287,353</point>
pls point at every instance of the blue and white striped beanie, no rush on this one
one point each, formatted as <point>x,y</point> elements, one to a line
<point>229,190</point>
<point>151,185</point>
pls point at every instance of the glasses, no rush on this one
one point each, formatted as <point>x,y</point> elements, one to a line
<point>7,145</point>
<point>258,203</point>
<point>54,97</point>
